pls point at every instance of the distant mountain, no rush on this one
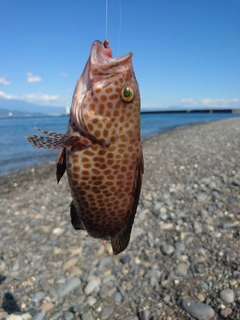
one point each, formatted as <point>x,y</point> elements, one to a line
<point>26,107</point>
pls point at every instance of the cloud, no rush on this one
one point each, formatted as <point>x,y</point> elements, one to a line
<point>188,101</point>
<point>40,98</point>
<point>31,78</point>
<point>3,81</point>
<point>37,98</point>
<point>221,103</point>
<point>63,74</point>
<point>5,95</point>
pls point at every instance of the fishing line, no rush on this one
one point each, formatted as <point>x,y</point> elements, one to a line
<point>106,18</point>
<point>120,24</point>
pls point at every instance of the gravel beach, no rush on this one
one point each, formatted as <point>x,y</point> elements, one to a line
<point>183,261</point>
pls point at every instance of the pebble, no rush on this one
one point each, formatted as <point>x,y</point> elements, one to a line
<point>144,314</point>
<point>179,248</point>
<point>16,266</point>
<point>58,231</point>
<point>201,297</point>
<point>14,317</point>
<point>106,312</point>
<point>125,259</point>
<point>69,285</point>
<point>203,285</point>
<point>197,309</point>
<point>201,197</point>
<point>204,214</point>
<point>142,214</point>
<point>47,306</point>
<point>236,182</point>
<point>38,297</point>
<point>227,295</point>
<point>156,208</point>
<point>166,226</point>
<point>167,249</point>
<point>75,271</point>
<point>68,315</point>
<point>136,232</point>
<point>56,316</point>
<point>39,315</point>
<point>2,266</point>
<point>229,225</point>
<point>91,301</point>
<point>92,284</point>
<point>105,263</point>
<point>87,316</point>
<point>180,166</point>
<point>118,297</point>
<point>197,227</point>
<point>107,291</point>
<point>226,312</point>
<point>26,316</point>
<point>181,269</point>
<point>44,284</point>
<point>70,263</point>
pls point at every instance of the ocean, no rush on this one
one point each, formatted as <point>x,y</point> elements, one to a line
<point>17,153</point>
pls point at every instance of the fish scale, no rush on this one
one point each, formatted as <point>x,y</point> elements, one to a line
<point>104,161</point>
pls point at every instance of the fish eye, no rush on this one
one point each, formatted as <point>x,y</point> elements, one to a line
<point>127,93</point>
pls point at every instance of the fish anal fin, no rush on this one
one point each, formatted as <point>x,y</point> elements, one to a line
<point>61,164</point>
<point>120,240</point>
<point>75,220</point>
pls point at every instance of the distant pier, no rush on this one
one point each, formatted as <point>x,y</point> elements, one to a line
<point>195,111</point>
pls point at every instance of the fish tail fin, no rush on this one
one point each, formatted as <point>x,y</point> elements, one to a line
<point>57,140</point>
<point>120,240</point>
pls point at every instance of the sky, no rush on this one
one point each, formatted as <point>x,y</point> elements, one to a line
<point>186,53</point>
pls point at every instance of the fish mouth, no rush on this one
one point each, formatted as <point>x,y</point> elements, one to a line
<point>101,63</point>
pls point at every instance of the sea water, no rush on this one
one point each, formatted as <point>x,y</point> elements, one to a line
<point>17,152</point>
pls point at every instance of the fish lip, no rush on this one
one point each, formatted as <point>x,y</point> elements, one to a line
<point>100,59</point>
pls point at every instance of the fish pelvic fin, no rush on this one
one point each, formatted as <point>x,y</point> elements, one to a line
<point>76,222</point>
<point>61,164</point>
<point>120,240</point>
<point>58,140</point>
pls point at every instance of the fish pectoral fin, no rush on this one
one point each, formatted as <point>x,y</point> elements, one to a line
<point>58,140</point>
<point>120,240</point>
<point>75,220</point>
<point>61,164</point>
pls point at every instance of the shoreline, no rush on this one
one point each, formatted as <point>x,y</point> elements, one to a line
<point>50,158</point>
<point>184,244</point>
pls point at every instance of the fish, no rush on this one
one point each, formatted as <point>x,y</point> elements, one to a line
<point>101,150</point>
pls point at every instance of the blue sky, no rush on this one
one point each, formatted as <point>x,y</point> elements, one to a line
<point>185,52</point>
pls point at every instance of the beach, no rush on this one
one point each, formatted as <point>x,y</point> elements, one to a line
<point>185,242</point>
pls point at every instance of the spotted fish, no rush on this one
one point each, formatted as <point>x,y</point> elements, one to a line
<point>101,150</point>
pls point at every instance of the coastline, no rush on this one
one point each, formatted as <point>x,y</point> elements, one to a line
<point>185,241</point>
<point>18,154</point>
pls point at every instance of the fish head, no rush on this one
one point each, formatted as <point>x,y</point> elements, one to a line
<point>106,95</point>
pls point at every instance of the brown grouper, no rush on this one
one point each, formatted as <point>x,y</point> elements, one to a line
<point>101,150</point>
